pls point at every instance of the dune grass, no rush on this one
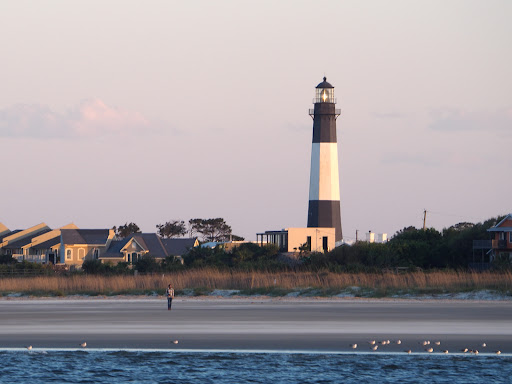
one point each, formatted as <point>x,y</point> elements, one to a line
<point>206,280</point>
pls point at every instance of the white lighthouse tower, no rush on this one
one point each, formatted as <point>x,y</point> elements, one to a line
<point>324,185</point>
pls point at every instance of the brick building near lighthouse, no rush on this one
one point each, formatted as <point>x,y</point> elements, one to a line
<point>324,186</point>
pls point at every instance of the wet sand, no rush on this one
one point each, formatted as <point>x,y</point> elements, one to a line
<point>254,324</point>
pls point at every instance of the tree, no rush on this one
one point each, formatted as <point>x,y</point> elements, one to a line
<point>195,226</point>
<point>211,229</point>
<point>147,263</point>
<point>7,259</point>
<point>127,230</point>
<point>174,228</point>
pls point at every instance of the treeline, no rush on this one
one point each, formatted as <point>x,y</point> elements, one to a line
<point>246,256</point>
<point>215,229</point>
<point>411,248</point>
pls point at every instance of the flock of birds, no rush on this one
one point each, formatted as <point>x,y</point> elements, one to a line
<point>429,347</point>
<point>374,345</point>
<point>84,344</point>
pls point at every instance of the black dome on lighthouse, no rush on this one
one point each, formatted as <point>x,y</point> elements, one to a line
<point>324,84</point>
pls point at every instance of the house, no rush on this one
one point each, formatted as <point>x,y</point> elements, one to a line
<point>178,247</point>
<point>45,248</point>
<point>78,245</point>
<point>293,239</point>
<point>14,243</point>
<point>133,247</point>
<point>502,242</point>
<point>4,231</point>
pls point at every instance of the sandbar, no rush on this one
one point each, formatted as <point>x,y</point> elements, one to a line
<point>257,324</point>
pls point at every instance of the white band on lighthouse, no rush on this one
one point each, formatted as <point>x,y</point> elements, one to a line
<point>324,182</point>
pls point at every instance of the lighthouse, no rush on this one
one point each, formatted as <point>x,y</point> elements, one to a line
<point>324,185</point>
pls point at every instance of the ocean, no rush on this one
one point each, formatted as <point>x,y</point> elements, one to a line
<point>219,367</point>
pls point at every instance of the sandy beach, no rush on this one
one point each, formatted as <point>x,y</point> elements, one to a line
<point>256,323</point>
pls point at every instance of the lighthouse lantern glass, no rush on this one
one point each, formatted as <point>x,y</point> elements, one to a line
<point>325,95</point>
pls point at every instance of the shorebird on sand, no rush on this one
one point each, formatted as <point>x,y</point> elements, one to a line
<point>445,351</point>
<point>175,341</point>
<point>29,347</point>
<point>353,346</point>
<point>484,345</point>
<point>464,350</point>
<point>498,352</point>
<point>83,345</point>
<point>408,351</point>
<point>437,343</point>
<point>372,342</point>
<point>399,342</point>
<point>374,348</point>
<point>429,350</point>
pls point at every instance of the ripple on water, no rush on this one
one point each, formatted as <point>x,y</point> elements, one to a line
<point>228,367</point>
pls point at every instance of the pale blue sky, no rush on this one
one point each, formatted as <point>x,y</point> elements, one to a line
<point>115,111</point>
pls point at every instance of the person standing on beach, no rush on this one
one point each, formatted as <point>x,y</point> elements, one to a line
<point>170,295</point>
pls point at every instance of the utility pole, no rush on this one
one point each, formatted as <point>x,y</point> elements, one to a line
<point>357,231</point>
<point>424,218</point>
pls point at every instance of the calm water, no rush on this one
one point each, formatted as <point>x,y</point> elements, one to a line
<point>88,366</point>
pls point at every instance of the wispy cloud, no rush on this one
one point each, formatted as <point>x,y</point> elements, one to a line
<point>453,120</point>
<point>91,118</point>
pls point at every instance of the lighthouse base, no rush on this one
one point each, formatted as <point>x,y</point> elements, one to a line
<point>326,214</point>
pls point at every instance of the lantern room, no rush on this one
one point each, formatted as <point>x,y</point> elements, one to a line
<point>324,93</point>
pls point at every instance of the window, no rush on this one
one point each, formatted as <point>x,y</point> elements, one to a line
<point>325,244</point>
<point>510,237</point>
<point>96,253</point>
<point>309,243</point>
<point>81,254</point>
<point>69,254</point>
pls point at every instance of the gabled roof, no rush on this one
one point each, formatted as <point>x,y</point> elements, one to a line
<point>3,230</point>
<point>25,240</point>
<point>48,243</point>
<point>114,250</point>
<point>499,228</point>
<point>29,232</point>
<point>2,237</point>
<point>177,247</point>
<point>152,243</point>
<point>85,236</point>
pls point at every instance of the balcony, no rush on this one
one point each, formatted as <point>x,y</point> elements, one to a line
<point>337,112</point>
<point>499,244</point>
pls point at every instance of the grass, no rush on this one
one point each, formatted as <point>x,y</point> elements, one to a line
<point>322,283</point>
